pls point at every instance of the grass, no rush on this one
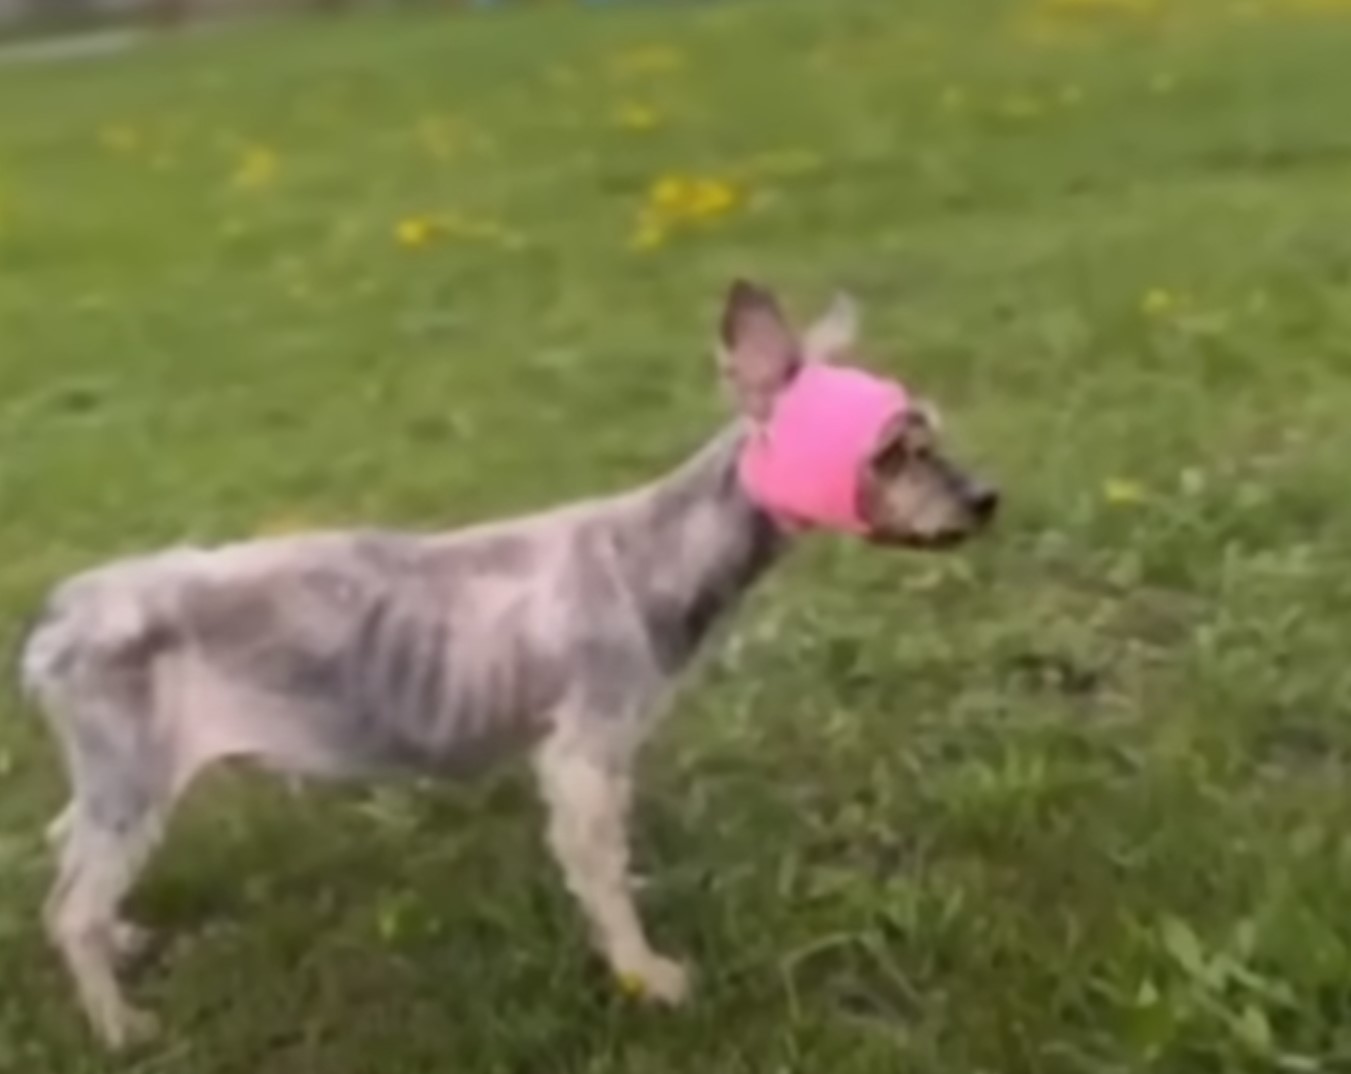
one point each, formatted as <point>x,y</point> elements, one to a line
<point>1072,802</point>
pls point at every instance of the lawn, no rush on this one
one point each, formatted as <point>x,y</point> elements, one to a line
<point>1073,801</point>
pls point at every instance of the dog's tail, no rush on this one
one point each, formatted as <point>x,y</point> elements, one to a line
<point>87,616</point>
<point>40,654</point>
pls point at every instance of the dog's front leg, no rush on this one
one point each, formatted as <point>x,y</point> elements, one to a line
<point>587,795</point>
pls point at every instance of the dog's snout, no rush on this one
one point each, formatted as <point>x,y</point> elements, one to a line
<point>984,502</point>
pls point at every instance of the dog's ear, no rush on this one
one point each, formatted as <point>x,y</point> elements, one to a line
<point>908,434</point>
<point>832,337</point>
<point>758,351</point>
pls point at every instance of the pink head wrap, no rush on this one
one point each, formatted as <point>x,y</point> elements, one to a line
<point>803,464</point>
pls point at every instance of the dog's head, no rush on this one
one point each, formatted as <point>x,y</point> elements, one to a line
<point>835,447</point>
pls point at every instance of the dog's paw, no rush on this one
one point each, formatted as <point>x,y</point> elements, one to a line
<point>658,980</point>
<point>126,1028</point>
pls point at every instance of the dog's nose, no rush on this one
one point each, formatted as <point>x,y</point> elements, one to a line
<point>984,502</point>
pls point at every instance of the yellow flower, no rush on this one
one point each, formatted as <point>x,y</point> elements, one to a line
<point>1123,492</point>
<point>676,201</point>
<point>1158,302</point>
<point>119,138</point>
<point>648,236</point>
<point>414,232</point>
<point>257,168</point>
<point>711,197</point>
<point>637,117</point>
<point>668,192</point>
<point>632,985</point>
<point>692,197</point>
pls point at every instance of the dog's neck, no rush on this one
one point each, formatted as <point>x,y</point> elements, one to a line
<point>692,544</point>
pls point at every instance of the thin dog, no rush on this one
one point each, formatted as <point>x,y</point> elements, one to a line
<point>562,634</point>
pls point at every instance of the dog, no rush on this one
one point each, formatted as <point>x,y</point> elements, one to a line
<point>359,654</point>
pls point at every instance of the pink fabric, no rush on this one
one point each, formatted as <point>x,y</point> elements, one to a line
<point>803,465</point>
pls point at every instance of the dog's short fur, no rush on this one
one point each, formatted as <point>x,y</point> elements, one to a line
<point>364,653</point>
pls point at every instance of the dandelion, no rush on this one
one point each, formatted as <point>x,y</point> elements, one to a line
<point>633,985</point>
<point>649,235</point>
<point>693,197</point>
<point>677,202</point>
<point>257,168</point>
<point>415,232</point>
<point>1122,492</point>
<point>1158,302</point>
<point>711,198</point>
<point>668,192</point>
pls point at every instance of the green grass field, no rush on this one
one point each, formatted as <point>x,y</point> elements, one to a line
<point>1072,802</point>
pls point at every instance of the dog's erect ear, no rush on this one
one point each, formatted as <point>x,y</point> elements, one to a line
<point>832,337</point>
<point>905,436</point>
<point>758,351</point>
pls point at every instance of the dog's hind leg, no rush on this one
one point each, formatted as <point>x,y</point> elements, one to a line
<point>117,815</point>
<point>99,863</point>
